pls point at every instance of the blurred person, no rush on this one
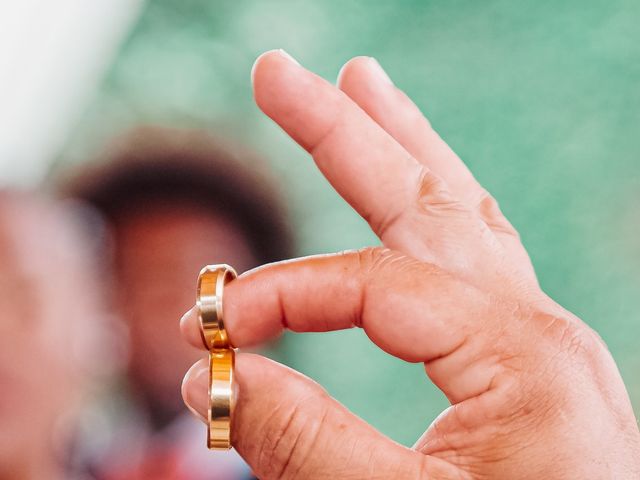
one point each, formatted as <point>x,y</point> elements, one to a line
<point>50,320</point>
<point>176,201</point>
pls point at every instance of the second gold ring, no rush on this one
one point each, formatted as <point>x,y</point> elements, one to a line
<point>211,282</point>
<point>222,397</point>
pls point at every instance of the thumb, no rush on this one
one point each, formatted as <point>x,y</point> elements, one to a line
<point>286,426</point>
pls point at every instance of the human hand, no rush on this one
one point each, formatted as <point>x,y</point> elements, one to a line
<point>534,392</point>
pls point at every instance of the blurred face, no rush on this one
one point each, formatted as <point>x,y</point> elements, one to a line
<point>159,254</point>
<point>47,307</point>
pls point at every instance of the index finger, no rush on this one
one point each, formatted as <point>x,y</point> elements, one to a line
<point>412,310</point>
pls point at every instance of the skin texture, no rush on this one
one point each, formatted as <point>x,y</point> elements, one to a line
<point>160,250</point>
<point>534,391</point>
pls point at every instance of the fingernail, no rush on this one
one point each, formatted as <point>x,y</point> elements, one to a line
<point>379,71</point>
<point>195,389</point>
<point>287,56</point>
<point>280,52</point>
<point>186,315</point>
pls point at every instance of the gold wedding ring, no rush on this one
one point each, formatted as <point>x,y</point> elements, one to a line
<point>211,282</point>
<point>221,398</point>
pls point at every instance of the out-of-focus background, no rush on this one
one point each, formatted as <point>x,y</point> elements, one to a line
<point>539,98</point>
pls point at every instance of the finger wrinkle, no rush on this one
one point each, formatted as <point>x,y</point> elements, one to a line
<point>315,146</point>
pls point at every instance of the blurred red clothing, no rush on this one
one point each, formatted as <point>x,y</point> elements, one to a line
<point>158,465</point>
<point>177,452</point>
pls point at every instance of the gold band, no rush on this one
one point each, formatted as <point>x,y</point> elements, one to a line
<point>221,398</point>
<point>211,283</point>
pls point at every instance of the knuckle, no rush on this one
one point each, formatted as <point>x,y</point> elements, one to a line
<point>560,351</point>
<point>568,338</point>
<point>489,210</point>
<point>539,362</point>
<point>429,196</point>
<point>432,195</point>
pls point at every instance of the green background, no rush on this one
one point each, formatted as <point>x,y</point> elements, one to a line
<point>540,98</point>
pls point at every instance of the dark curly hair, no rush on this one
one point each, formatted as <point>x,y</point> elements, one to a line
<point>151,164</point>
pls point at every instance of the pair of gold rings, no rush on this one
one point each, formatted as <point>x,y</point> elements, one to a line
<point>222,388</point>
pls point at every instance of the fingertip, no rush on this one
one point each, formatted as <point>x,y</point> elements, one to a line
<point>259,60</point>
<point>195,389</point>
<point>351,68</point>
<point>256,376</point>
<point>190,328</point>
<point>266,70</point>
<point>184,320</point>
<point>361,71</point>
